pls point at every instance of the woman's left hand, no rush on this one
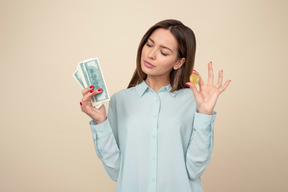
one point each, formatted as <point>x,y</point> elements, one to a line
<point>208,94</point>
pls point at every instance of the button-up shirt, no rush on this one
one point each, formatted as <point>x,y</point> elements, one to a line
<point>154,142</point>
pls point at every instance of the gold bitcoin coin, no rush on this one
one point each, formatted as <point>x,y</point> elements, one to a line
<point>194,79</point>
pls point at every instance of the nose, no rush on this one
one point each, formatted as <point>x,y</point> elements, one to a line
<point>152,53</point>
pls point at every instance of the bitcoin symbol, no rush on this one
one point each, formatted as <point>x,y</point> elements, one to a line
<point>194,79</point>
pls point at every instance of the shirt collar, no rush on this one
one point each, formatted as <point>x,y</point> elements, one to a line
<point>143,87</point>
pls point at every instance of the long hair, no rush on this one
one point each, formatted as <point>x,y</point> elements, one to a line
<point>186,49</point>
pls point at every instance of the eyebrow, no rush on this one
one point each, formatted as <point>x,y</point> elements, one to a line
<point>162,46</point>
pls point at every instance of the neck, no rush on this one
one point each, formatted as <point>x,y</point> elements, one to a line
<point>156,83</point>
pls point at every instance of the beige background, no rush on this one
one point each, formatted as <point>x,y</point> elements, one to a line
<point>45,140</point>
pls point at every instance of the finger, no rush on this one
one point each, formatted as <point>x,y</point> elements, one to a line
<point>220,79</point>
<point>86,100</point>
<point>193,88</point>
<point>221,89</point>
<point>86,104</point>
<point>210,74</point>
<point>87,90</point>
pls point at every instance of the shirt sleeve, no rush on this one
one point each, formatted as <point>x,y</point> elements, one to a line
<point>105,144</point>
<point>201,145</point>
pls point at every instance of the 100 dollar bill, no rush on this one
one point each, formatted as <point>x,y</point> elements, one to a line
<point>89,73</point>
<point>78,79</point>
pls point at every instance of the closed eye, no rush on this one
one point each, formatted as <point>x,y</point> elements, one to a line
<point>164,54</point>
<point>149,45</point>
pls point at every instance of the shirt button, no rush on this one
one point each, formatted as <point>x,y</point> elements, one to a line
<point>153,180</point>
<point>154,158</point>
<point>154,136</point>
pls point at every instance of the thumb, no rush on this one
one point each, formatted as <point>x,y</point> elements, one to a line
<point>193,88</point>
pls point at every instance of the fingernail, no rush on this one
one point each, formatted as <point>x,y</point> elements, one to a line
<point>100,90</point>
<point>91,91</point>
<point>91,86</point>
<point>81,103</point>
<point>194,70</point>
<point>187,84</point>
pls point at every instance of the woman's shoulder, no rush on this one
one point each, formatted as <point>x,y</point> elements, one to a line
<point>124,93</point>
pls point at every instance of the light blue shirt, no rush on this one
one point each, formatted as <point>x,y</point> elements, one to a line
<point>154,142</point>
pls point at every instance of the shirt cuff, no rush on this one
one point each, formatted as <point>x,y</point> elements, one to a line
<point>101,130</point>
<point>203,121</point>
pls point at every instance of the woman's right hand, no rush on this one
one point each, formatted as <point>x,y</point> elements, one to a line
<point>97,115</point>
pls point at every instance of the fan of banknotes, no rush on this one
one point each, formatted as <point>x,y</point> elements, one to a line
<point>89,73</point>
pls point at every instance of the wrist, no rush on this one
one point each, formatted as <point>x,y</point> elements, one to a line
<point>205,112</point>
<point>99,121</point>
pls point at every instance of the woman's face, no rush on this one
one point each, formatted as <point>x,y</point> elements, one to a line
<point>159,54</point>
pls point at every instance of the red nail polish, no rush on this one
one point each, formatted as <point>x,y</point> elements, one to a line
<point>194,71</point>
<point>187,84</point>
<point>81,103</point>
<point>100,90</point>
<point>91,91</point>
<point>91,86</point>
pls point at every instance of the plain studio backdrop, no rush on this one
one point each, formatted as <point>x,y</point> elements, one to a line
<point>45,140</point>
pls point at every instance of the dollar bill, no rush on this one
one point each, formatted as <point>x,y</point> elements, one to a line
<point>78,79</point>
<point>89,73</point>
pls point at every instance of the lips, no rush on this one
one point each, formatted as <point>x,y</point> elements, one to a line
<point>148,65</point>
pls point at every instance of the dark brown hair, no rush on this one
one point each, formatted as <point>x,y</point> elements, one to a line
<point>186,49</point>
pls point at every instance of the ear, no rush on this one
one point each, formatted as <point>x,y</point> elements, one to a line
<point>179,63</point>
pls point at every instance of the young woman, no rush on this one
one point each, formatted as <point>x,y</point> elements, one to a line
<point>159,133</point>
